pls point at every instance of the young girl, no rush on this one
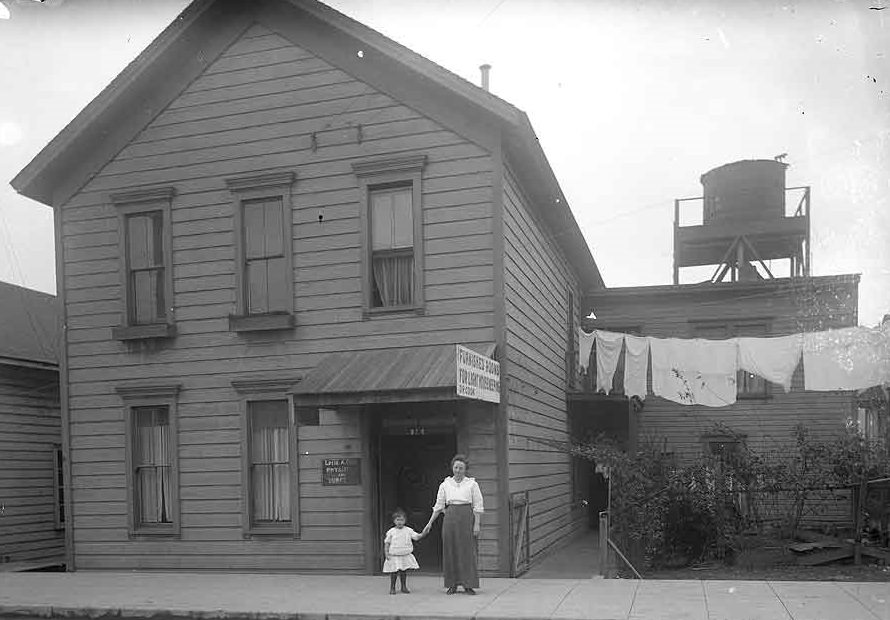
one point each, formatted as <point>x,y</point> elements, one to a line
<point>398,549</point>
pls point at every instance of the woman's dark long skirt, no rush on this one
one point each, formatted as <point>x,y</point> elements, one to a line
<point>459,547</point>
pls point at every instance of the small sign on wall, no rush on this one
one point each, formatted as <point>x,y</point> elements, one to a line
<point>341,471</point>
<point>478,376</point>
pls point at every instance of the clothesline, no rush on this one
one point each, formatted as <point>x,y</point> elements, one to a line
<point>699,371</point>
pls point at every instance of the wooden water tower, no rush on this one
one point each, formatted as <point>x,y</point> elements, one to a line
<point>744,223</point>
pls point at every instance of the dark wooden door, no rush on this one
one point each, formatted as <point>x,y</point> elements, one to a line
<point>411,468</point>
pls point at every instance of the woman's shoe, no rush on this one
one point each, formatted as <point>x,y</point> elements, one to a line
<point>405,590</point>
<point>469,590</point>
<point>451,590</point>
<point>392,590</point>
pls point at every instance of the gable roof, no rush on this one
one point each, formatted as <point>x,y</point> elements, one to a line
<point>30,327</point>
<point>204,30</point>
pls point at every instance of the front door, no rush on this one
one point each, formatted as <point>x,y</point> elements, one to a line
<point>411,464</point>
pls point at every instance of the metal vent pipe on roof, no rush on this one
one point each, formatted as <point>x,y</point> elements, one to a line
<point>485,69</point>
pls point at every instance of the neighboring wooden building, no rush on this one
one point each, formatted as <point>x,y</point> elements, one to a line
<point>764,413</point>
<point>273,228</point>
<point>744,224</point>
<point>31,513</point>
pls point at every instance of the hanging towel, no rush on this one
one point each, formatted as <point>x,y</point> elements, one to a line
<point>608,348</point>
<point>636,365</point>
<point>694,372</point>
<point>774,359</point>
<point>852,358</point>
<point>585,343</point>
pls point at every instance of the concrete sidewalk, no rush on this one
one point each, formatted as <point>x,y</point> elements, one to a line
<point>303,597</point>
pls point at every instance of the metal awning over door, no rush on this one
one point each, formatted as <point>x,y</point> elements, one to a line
<point>408,374</point>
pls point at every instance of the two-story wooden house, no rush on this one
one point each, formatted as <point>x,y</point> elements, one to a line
<point>32,517</point>
<point>273,229</point>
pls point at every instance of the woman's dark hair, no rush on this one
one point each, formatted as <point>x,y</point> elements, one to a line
<point>462,458</point>
<point>398,512</point>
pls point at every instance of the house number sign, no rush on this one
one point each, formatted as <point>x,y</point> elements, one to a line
<point>336,472</point>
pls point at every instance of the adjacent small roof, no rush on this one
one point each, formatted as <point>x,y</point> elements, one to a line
<point>30,326</point>
<point>383,375</point>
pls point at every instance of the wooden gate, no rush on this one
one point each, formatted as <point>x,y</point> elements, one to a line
<point>519,533</point>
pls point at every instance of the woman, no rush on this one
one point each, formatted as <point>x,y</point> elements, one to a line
<point>460,499</point>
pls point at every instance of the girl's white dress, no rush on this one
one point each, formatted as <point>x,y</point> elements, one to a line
<point>401,549</point>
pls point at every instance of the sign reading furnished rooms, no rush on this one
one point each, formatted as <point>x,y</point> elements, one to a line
<point>478,376</point>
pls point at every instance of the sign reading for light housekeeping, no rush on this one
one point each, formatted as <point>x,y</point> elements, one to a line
<point>478,376</point>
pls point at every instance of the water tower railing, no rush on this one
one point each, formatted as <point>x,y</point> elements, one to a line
<point>797,208</point>
<point>799,197</point>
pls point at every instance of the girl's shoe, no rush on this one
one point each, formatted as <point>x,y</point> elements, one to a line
<point>451,590</point>
<point>392,590</point>
<point>405,590</point>
<point>469,590</point>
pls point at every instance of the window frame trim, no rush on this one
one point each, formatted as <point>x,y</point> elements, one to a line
<point>407,171</point>
<point>257,391</point>
<point>257,187</point>
<point>130,203</point>
<point>151,395</point>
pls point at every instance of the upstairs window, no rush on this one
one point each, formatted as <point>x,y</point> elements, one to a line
<point>392,234</point>
<point>145,268</point>
<point>264,240</point>
<point>265,263</point>
<point>146,259</point>
<point>392,247</point>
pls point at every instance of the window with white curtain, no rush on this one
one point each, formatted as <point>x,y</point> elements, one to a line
<point>269,463</point>
<point>152,458</point>
<point>152,466</point>
<point>392,247</point>
<point>391,210</point>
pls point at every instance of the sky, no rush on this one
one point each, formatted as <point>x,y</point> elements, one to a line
<point>632,100</point>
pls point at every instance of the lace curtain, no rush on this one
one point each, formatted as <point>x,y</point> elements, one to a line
<point>393,279</point>
<point>270,464</point>
<point>153,465</point>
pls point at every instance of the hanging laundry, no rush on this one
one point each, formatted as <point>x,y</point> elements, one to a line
<point>851,358</point>
<point>694,372</point>
<point>608,348</point>
<point>773,358</point>
<point>585,344</point>
<point>636,365</point>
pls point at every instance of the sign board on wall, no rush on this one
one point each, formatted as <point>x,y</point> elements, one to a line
<point>338,471</point>
<point>478,376</point>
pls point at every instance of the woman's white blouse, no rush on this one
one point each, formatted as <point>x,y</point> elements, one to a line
<point>464,492</point>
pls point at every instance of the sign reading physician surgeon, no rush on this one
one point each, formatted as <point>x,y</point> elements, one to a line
<point>478,376</point>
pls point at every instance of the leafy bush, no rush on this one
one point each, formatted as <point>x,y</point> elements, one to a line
<point>668,513</point>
